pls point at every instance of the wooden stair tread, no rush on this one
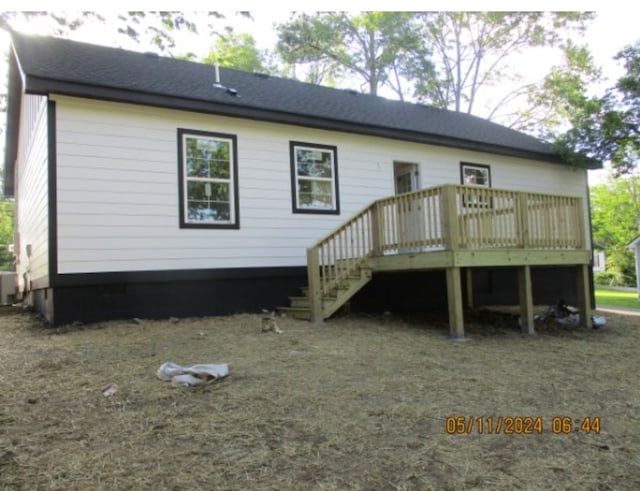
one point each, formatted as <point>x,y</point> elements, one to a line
<point>302,313</point>
<point>300,305</point>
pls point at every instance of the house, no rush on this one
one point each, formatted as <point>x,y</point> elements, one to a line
<point>155,187</point>
<point>599,261</point>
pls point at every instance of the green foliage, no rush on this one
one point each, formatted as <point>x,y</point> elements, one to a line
<point>237,51</point>
<point>446,59</point>
<point>156,28</point>
<point>7,209</point>
<point>376,47</point>
<point>606,278</point>
<point>562,97</point>
<point>608,128</point>
<point>615,216</point>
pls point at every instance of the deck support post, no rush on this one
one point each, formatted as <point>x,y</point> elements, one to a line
<point>454,298</point>
<point>584,294</point>
<point>526,300</point>
<point>469,281</point>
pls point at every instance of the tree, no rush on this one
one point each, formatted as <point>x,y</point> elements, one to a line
<point>6,234</point>
<point>153,28</point>
<point>238,51</point>
<point>61,22</point>
<point>158,28</point>
<point>562,98</point>
<point>607,128</point>
<point>372,46</point>
<point>473,53</point>
<point>615,216</point>
<point>454,60</point>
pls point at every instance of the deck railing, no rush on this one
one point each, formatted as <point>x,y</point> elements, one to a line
<point>492,218</point>
<point>449,217</point>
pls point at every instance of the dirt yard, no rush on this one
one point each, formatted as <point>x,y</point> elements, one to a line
<point>359,403</point>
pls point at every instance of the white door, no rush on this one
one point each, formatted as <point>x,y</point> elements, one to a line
<point>407,179</point>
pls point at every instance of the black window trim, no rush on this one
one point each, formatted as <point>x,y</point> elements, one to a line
<point>479,166</point>
<point>181,180</point>
<point>472,201</point>
<point>294,185</point>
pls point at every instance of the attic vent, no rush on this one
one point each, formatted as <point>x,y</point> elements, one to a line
<point>352,92</point>
<point>151,54</point>
<point>261,75</point>
<point>232,91</point>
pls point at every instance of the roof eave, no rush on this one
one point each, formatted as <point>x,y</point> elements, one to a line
<point>14,101</point>
<point>44,86</point>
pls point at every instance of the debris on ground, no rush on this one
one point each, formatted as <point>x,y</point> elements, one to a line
<point>110,390</point>
<point>194,375</point>
<point>567,315</point>
<point>269,323</point>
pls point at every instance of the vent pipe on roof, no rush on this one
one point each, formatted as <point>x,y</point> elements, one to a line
<point>217,83</point>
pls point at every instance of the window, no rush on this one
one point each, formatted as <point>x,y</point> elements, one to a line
<point>475,175</point>
<point>208,173</point>
<point>314,178</point>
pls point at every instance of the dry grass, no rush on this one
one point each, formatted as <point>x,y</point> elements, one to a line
<point>359,403</point>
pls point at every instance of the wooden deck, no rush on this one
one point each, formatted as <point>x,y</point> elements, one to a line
<point>449,227</point>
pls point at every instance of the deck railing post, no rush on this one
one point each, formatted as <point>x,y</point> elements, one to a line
<point>315,287</point>
<point>582,241</point>
<point>522,215</point>
<point>376,229</point>
<point>449,217</point>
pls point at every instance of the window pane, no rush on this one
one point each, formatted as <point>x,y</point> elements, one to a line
<point>208,201</point>
<point>206,157</point>
<point>315,194</point>
<point>211,191</point>
<point>208,212</point>
<point>314,163</point>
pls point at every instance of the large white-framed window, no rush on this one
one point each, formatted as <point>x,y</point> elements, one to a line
<point>314,178</point>
<point>208,175</point>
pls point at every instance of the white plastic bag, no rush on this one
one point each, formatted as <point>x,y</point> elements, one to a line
<point>194,375</point>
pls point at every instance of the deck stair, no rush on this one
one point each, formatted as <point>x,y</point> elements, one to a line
<point>300,306</point>
<point>450,227</point>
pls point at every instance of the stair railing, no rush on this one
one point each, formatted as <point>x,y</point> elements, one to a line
<point>339,255</point>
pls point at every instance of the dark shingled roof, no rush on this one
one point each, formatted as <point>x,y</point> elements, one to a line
<point>59,66</point>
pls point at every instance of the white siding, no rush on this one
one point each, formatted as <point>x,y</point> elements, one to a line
<point>32,213</point>
<point>118,187</point>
